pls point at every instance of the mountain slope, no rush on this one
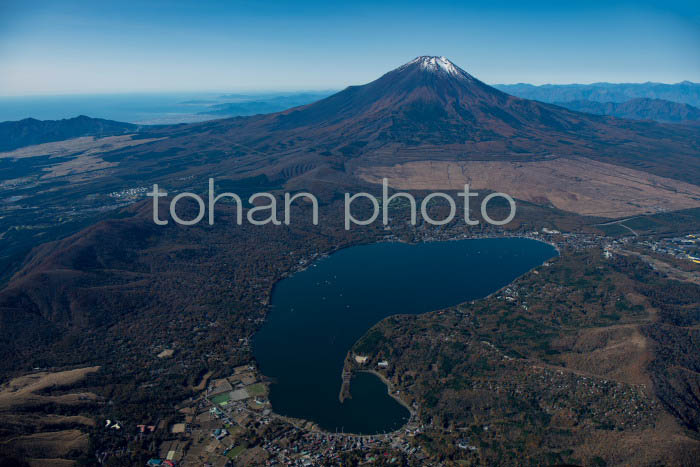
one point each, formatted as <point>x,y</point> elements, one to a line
<point>31,131</point>
<point>429,95</point>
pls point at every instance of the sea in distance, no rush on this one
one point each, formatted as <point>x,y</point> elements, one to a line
<point>153,108</point>
<point>317,315</point>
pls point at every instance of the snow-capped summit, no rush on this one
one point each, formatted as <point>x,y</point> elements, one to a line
<point>438,65</point>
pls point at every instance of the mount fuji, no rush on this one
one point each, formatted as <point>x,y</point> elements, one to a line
<point>427,109</point>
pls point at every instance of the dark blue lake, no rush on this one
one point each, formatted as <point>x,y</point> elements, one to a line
<point>317,315</point>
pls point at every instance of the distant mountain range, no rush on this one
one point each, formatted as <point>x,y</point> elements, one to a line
<point>30,131</point>
<point>660,110</point>
<point>684,92</point>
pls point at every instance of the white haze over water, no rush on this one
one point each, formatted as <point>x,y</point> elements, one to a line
<point>132,108</point>
<point>140,108</point>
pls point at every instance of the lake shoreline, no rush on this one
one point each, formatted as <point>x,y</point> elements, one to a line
<point>512,253</point>
<point>392,393</point>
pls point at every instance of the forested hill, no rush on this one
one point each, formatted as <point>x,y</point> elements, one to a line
<point>17,134</point>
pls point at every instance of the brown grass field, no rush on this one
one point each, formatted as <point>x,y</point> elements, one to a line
<point>51,437</point>
<point>579,185</point>
<point>21,391</point>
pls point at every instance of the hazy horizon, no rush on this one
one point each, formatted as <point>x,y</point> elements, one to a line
<point>255,91</point>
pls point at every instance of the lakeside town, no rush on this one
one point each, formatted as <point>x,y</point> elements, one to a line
<point>231,423</point>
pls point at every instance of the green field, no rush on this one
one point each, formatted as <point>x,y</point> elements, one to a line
<point>256,389</point>
<point>221,398</point>
<point>235,452</point>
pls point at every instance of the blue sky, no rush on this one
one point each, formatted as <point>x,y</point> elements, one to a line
<point>67,46</point>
